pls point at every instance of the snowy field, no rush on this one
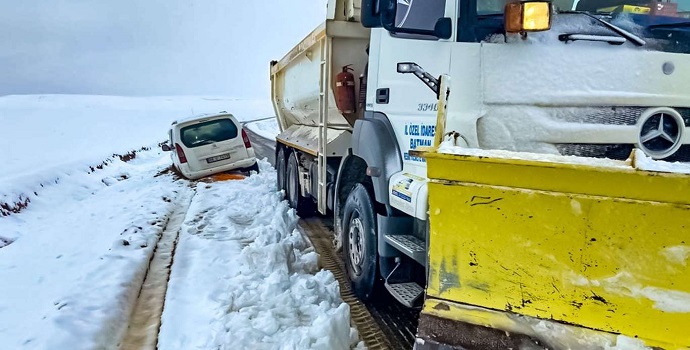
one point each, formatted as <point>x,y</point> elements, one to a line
<point>73,261</point>
<point>51,136</point>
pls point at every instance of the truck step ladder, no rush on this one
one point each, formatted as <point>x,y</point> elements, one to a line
<point>406,293</point>
<point>324,87</point>
<point>410,245</point>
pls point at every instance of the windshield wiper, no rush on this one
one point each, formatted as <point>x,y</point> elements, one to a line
<point>616,29</point>
<point>613,40</point>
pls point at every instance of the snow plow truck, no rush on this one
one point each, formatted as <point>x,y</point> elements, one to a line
<point>516,167</point>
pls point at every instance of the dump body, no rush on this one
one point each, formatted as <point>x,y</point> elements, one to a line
<point>307,73</point>
<point>600,248</point>
<point>302,92</point>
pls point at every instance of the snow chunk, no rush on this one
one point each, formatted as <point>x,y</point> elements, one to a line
<point>677,254</point>
<point>644,162</point>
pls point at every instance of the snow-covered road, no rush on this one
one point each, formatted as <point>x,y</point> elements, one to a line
<point>242,276</point>
<point>74,261</point>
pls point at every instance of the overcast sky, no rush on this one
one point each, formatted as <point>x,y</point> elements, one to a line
<point>148,47</point>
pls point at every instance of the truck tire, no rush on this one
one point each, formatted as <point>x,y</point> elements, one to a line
<point>281,169</point>
<point>304,206</point>
<point>360,242</point>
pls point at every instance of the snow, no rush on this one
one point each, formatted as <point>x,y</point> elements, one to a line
<point>644,162</point>
<point>448,147</point>
<point>53,136</point>
<point>624,283</point>
<point>73,261</point>
<point>245,277</point>
<point>267,128</point>
<point>678,254</point>
<point>79,255</point>
<point>665,300</point>
<point>640,161</point>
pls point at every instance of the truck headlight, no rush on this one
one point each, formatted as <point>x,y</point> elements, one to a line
<point>527,16</point>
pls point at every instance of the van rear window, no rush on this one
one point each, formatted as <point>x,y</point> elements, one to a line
<point>208,132</point>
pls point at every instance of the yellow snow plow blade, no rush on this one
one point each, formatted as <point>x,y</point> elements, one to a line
<point>600,250</point>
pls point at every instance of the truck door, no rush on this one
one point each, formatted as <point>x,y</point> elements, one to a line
<point>409,104</point>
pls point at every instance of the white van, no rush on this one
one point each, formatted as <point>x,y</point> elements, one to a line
<point>208,144</point>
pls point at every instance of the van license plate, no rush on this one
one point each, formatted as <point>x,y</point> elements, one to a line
<point>218,158</point>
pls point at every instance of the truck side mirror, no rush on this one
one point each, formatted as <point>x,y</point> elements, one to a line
<point>166,148</point>
<point>371,14</point>
<point>443,28</point>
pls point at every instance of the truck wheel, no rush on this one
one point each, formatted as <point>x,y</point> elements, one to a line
<point>360,242</point>
<point>281,169</point>
<point>304,206</point>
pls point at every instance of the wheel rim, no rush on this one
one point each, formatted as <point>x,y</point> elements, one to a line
<point>356,244</point>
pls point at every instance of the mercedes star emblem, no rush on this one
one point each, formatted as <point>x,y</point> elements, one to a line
<point>661,133</point>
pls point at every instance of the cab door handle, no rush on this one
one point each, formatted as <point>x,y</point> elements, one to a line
<point>382,95</point>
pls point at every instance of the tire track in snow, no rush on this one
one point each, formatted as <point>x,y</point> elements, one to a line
<point>322,241</point>
<point>145,321</point>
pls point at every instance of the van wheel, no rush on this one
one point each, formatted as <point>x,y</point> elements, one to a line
<point>281,169</point>
<point>304,206</point>
<point>360,242</point>
<point>254,167</point>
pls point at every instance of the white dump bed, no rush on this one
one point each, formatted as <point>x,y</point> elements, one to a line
<point>308,73</point>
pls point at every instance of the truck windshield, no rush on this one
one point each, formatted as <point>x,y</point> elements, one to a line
<point>672,8</point>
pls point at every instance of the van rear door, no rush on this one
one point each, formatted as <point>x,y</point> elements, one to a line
<point>212,143</point>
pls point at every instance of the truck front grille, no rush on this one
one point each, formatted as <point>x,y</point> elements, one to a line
<point>615,115</point>
<point>613,151</point>
<point>605,115</point>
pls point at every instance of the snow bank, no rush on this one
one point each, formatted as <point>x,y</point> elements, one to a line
<point>265,128</point>
<point>245,278</point>
<point>49,137</point>
<point>79,256</point>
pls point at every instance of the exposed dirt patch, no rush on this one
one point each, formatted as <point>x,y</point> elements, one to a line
<point>6,208</point>
<point>131,155</point>
<point>170,170</point>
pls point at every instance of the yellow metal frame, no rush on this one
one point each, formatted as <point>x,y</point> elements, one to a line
<point>588,246</point>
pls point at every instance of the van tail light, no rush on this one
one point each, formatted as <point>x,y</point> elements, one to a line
<point>245,138</point>
<point>180,153</point>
